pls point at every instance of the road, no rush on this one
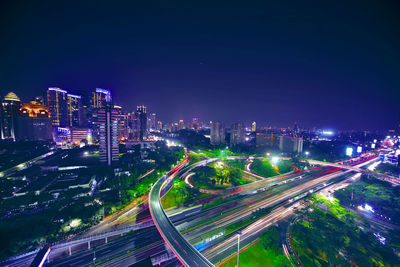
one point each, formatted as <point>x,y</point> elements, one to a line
<point>186,254</point>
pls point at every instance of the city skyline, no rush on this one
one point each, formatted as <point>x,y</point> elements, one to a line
<point>199,133</point>
<point>316,64</point>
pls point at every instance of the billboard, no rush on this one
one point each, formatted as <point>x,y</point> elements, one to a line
<point>349,151</point>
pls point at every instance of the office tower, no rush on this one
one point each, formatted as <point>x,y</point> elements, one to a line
<point>134,125</point>
<point>196,124</point>
<point>34,122</point>
<point>122,123</point>
<point>159,125</point>
<point>237,134</point>
<point>291,144</point>
<point>217,133</point>
<point>74,110</point>
<point>253,127</point>
<point>142,114</point>
<point>108,126</point>
<point>267,139</point>
<point>8,115</point>
<point>99,97</point>
<point>57,103</point>
<point>152,121</point>
<point>181,125</point>
<point>97,101</point>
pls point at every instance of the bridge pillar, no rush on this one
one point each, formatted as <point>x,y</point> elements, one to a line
<point>88,244</point>
<point>70,252</point>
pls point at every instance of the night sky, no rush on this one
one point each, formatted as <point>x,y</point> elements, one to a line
<point>323,63</point>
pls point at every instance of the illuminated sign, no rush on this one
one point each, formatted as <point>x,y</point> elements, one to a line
<point>359,149</point>
<point>349,151</point>
<point>372,146</point>
<point>63,130</point>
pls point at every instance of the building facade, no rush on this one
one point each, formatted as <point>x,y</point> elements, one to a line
<point>217,133</point>
<point>57,103</point>
<point>291,144</point>
<point>108,125</point>
<point>141,112</point>
<point>8,116</point>
<point>74,110</point>
<point>238,134</point>
<point>34,122</point>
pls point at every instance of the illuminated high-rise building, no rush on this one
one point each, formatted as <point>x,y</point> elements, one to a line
<point>253,126</point>
<point>108,126</point>
<point>159,125</point>
<point>74,110</point>
<point>152,122</point>
<point>196,124</point>
<point>99,97</point>
<point>291,144</point>
<point>181,125</point>
<point>122,123</point>
<point>142,114</point>
<point>34,122</point>
<point>57,102</point>
<point>217,133</point>
<point>8,115</point>
<point>97,100</point>
<point>237,134</point>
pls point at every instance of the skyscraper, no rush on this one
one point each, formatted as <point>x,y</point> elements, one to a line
<point>74,110</point>
<point>217,133</point>
<point>8,115</point>
<point>142,113</point>
<point>122,123</point>
<point>152,122</point>
<point>97,101</point>
<point>58,106</point>
<point>99,97</point>
<point>253,126</point>
<point>291,144</point>
<point>237,134</point>
<point>108,126</point>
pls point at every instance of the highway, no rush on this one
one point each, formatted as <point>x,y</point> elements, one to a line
<point>186,254</point>
<point>252,197</point>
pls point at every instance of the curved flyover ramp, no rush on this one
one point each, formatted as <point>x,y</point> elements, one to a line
<point>186,254</point>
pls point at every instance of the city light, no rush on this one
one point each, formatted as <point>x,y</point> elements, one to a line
<point>327,132</point>
<point>349,151</point>
<point>274,160</point>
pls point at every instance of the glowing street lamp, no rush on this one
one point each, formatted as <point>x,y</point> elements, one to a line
<point>274,160</point>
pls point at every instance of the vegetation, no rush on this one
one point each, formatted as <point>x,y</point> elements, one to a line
<point>218,176</point>
<point>259,255</point>
<point>179,194</point>
<point>388,168</point>
<point>265,168</point>
<point>384,198</point>
<point>72,211</point>
<point>332,237</point>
